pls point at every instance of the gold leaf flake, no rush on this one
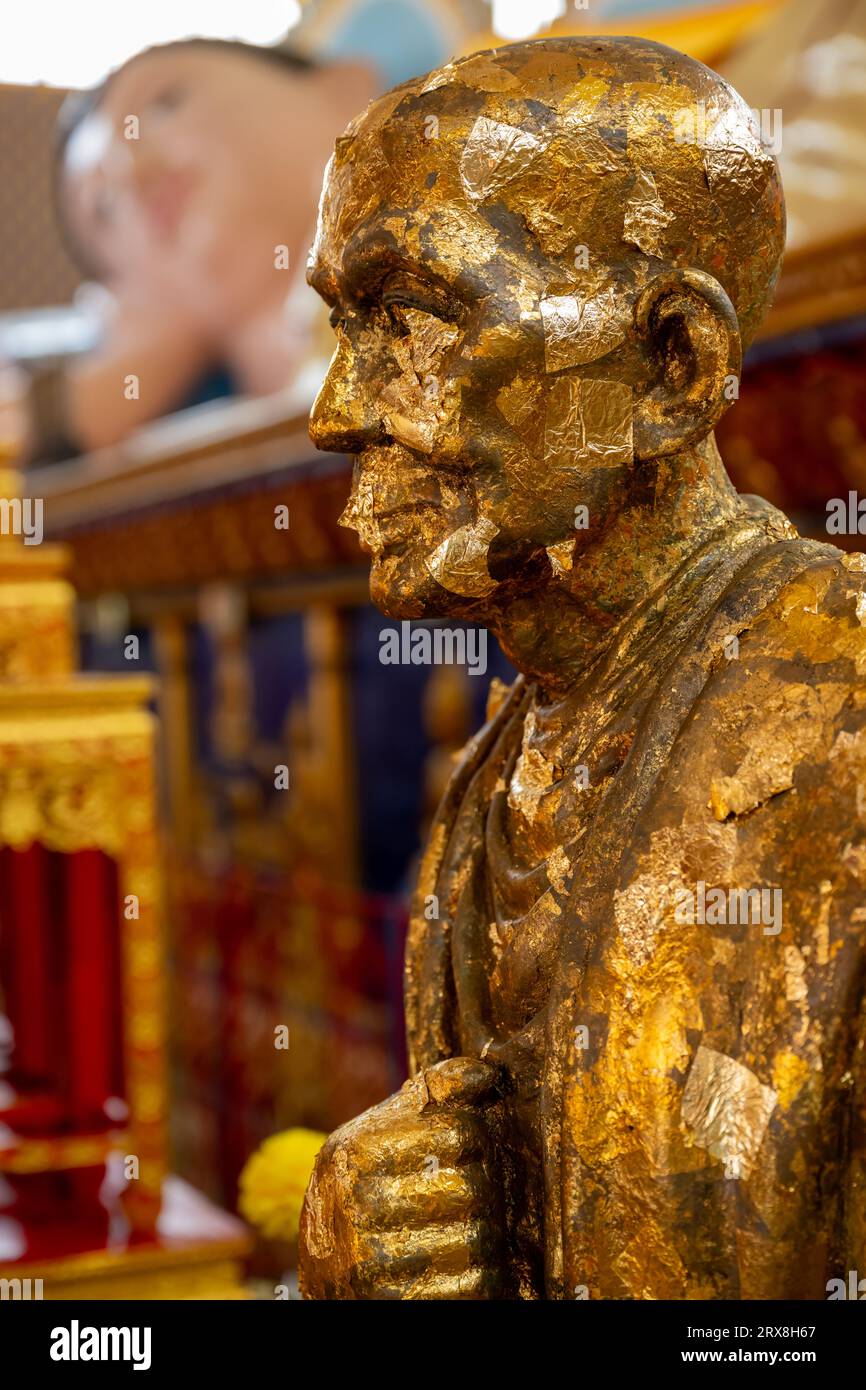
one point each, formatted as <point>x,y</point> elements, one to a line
<point>359,514</point>
<point>795,978</point>
<point>606,407</point>
<point>645,216</point>
<point>587,420</point>
<point>727,1108</point>
<point>580,329</point>
<point>561,557</point>
<point>459,564</point>
<point>482,73</point>
<point>493,155</point>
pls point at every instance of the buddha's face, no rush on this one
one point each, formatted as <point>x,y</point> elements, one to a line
<point>494,262</point>
<point>179,185</point>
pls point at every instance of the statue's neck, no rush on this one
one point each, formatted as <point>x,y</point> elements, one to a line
<point>554,630</point>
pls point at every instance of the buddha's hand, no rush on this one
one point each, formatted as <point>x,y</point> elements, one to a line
<point>405,1201</point>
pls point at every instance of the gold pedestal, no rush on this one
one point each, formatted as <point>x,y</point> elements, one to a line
<point>77,773</point>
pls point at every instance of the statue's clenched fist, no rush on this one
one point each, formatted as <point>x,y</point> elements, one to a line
<point>405,1201</point>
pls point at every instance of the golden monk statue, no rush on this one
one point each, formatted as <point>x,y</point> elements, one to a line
<point>636,963</point>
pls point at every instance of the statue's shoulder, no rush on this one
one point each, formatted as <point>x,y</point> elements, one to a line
<point>812,632</point>
<point>785,704</point>
<point>766,783</point>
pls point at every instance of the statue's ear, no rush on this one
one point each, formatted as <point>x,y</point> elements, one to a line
<point>691,343</point>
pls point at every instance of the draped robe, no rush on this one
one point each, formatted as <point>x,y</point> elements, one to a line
<point>686,1098</point>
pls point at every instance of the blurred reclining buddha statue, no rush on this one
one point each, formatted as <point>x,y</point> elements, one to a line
<point>636,962</point>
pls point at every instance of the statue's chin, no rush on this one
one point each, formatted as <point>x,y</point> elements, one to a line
<point>401,587</point>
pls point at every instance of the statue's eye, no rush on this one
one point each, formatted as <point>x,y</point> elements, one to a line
<point>404,299</point>
<point>407,317</point>
<point>427,336</point>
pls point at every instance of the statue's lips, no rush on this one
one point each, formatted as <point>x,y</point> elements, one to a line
<point>401,523</point>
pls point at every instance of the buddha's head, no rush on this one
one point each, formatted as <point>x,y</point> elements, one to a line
<point>544,263</point>
<point>179,176</point>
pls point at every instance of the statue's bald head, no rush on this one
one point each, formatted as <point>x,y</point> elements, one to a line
<point>617,150</point>
<point>543,263</point>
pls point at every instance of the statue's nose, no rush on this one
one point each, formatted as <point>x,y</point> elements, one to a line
<point>343,420</point>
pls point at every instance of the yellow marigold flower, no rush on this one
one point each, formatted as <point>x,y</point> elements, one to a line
<point>274,1180</point>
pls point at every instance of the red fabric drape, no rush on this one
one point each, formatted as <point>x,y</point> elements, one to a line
<point>61,985</point>
<point>28,944</point>
<point>93,1038</point>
